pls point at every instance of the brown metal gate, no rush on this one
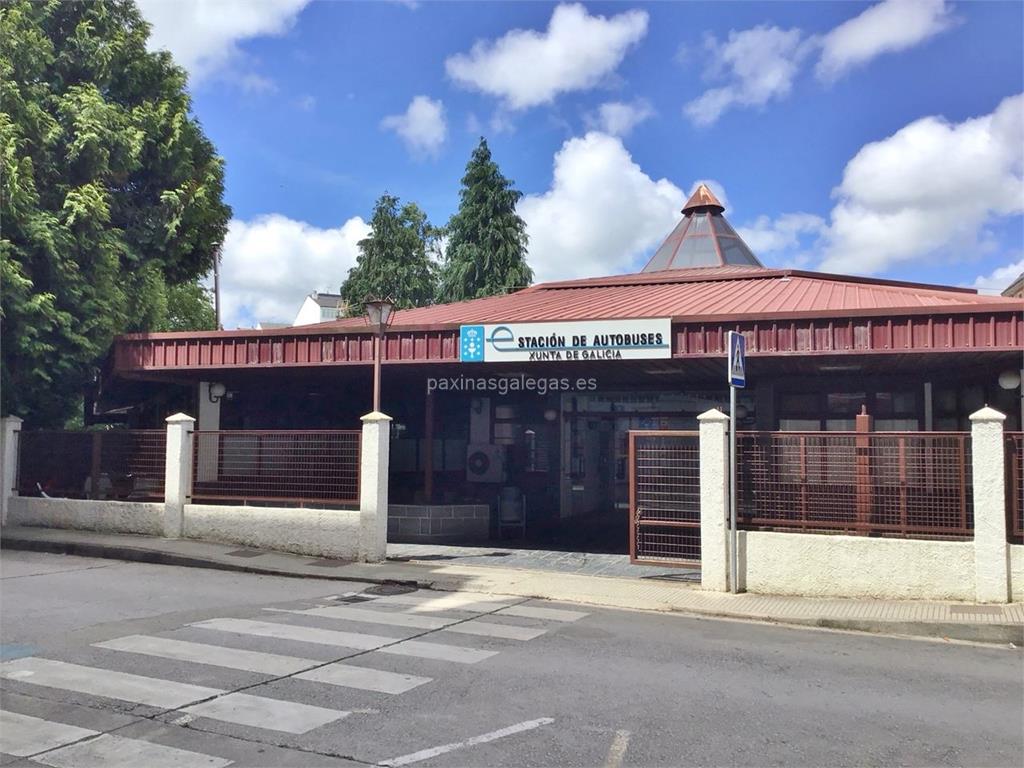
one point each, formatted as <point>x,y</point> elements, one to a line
<point>664,497</point>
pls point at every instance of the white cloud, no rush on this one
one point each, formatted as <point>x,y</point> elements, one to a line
<point>619,118</point>
<point>203,36</point>
<point>306,103</point>
<point>422,127</point>
<point>601,213</point>
<point>889,26</point>
<point>527,68</point>
<point>253,83</point>
<point>269,264</point>
<point>783,234</point>
<point>932,186</point>
<point>758,64</point>
<point>1000,278</point>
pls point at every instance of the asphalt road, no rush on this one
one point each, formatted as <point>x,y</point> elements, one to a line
<point>119,664</point>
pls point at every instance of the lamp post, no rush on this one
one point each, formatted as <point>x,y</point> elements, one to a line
<point>378,316</point>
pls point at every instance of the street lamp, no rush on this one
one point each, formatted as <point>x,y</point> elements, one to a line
<point>378,316</point>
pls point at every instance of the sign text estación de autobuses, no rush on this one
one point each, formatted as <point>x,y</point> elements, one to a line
<point>588,340</point>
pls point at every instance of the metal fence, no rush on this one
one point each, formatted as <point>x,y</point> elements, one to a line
<point>664,493</point>
<point>902,484</point>
<point>116,464</point>
<point>1015,486</point>
<point>293,466</point>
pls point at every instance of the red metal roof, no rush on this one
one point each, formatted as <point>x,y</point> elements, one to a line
<point>734,293</point>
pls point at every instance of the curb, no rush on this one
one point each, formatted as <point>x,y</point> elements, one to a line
<point>156,557</point>
<point>998,634</point>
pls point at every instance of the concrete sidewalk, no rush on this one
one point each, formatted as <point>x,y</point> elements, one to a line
<point>958,621</point>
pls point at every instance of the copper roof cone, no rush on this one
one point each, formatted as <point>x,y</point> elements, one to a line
<point>703,197</point>
<point>702,239</point>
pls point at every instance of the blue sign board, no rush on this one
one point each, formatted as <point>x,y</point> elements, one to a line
<point>737,359</point>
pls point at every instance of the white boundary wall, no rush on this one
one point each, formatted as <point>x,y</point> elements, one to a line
<point>347,534</point>
<point>984,570</point>
<point>107,516</point>
<point>824,565</point>
<point>316,532</point>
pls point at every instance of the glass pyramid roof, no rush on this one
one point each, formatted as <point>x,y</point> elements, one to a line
<point>702,239</point>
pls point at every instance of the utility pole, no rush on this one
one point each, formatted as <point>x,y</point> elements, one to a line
<point>216,288</point>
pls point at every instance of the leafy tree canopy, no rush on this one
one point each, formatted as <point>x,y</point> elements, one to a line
<point>486,252</point>
<point>396,260</point>
<point>111,195</point>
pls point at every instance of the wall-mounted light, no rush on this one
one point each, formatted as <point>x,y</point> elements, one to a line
<point>550,414</point>
<point>216,392</point>
<point>1009,379</point>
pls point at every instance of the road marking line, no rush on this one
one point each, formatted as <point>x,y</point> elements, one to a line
<point>154,692</point>
<point>360,642</point>
<point>617,751</point>
<point>363,678</point>
<point>426,601</point>
<point>372,617</point>
<point>532,612</point>
<point>118,752</point>
<point>214,655</point>
<point>262,712</point>
<point>426,754</point>
<point>24,735</point>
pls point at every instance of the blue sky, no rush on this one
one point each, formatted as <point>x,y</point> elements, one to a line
<point>862,138</point>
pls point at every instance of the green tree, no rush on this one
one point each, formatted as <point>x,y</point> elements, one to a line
<point>111,194</point>
<point>486,252</point>
<point>189,308</point>
<point>396,260</point>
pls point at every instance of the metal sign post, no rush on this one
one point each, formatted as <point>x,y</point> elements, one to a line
<point>737,375</point>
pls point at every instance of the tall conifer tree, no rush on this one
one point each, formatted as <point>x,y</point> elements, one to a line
<point>395,261</point>
<point>486,253</point>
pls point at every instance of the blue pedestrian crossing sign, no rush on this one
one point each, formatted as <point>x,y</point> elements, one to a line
<point>737,359</point>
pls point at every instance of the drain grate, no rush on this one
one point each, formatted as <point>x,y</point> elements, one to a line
<point>326,562</point>
<point>391,588</point>
<point>354,599</point>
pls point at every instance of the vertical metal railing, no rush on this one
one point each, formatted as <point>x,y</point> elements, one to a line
<point>125,464</point>
<point>291,466</point>
<point>905,484</point>
<point>1014,469</point>
<point>664,487</point>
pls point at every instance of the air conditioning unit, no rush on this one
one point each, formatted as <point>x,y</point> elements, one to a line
<point>485,463</point>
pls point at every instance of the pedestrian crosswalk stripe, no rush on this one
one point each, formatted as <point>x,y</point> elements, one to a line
<point>471,627</point>
<point>24,735</point>
<point>354,640</point>
<point>492,629</point>
<point>165,694</point>
<point>363,678</point>
<point>263,712</point>
<point>214,655</point>
<point>438,652</point>
<point>119,752</point>
<point>297,632</point>
<point>372,617</point>
<point>532,612</point>
<point>426,601</point>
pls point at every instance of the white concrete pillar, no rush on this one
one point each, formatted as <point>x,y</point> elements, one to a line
<point>209,420</point>
<point>373,487</point>
<point>714,500</point>
<point>177,473</point>
<point>10,429</point>
<point>991,553</point>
